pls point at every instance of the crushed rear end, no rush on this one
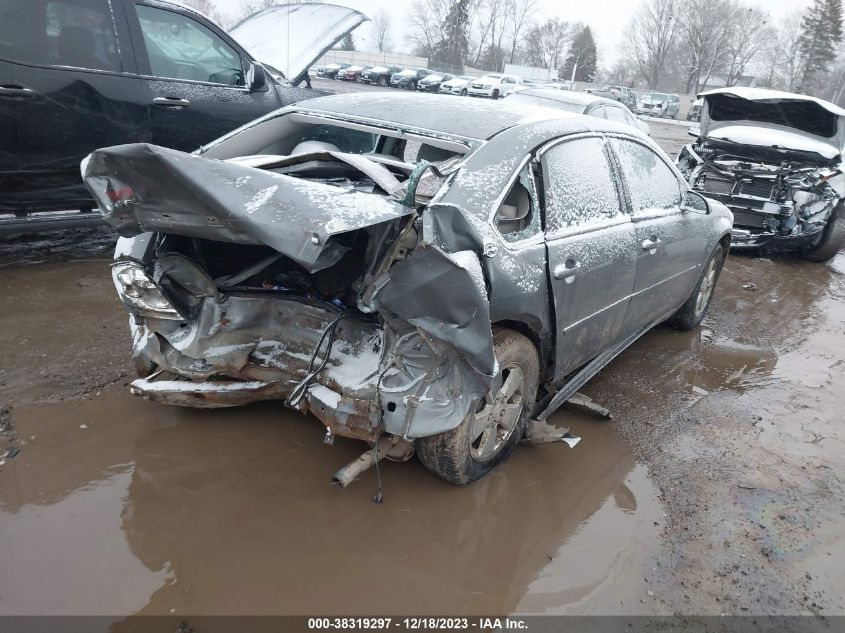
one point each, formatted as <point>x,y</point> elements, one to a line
<point>303,278</point>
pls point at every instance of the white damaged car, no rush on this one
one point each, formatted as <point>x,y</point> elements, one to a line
<point>775,159</point>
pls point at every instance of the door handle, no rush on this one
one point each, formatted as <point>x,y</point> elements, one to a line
<point>567,270</point>
<point>651,245</point>
<point>171,102</point>
<point>16,91</point>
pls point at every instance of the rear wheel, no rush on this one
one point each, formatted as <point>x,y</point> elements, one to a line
<point>691,314</point>
<point>464,92</point>
<point>490,433</point>
<point>833,238</point>
<point>382,81</point>
<point>495,94</point>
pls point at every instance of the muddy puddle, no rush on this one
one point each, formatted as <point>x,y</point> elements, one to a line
<point>117,506</point>
<point>162,509</point>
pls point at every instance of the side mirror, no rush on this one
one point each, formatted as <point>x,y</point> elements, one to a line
<point>694,131</point>
<point>695,202</point>
<point>256,77</point>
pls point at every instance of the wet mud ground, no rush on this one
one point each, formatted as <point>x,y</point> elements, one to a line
<point>717,487</point>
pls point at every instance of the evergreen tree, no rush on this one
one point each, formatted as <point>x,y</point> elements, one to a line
<point>347,43</point>
<point>582,56</point>
<point>821,31</point>
<point>452,49</point>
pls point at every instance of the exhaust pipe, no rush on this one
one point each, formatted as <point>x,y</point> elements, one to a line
<point>393,448</point>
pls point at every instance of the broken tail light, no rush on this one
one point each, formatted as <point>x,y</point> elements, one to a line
<point>140,293</point>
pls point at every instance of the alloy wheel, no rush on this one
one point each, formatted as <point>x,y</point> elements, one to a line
<point>497,417</point>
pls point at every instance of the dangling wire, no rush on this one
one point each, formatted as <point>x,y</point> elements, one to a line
<point>296,394</point>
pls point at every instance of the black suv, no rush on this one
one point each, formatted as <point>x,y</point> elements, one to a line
<point>76,75</point>
<point>379,74</point>
<point>408,78</point>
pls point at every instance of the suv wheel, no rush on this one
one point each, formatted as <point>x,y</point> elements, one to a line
<point>692,313</point>
<point>490,433</point>
<point>495,94</point>
<point>382,81</point>
<point>833,237</point>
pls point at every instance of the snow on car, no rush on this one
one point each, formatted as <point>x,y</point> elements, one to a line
<point>415,276</point>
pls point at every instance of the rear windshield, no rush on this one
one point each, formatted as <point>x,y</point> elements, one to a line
<point>806,116</point>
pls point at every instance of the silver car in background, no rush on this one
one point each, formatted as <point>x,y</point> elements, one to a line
<point>581,103</point>
<point>416,276</point>
<point>457,85</point>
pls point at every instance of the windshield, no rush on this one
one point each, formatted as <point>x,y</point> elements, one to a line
<point>806,116</point>
<point>408,73</point>
<point>491,77</point>
<point>657,96</point>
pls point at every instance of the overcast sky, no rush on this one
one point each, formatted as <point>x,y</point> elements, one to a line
<point>607,18</point>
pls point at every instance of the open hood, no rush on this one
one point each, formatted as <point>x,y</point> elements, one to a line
<point>292,37</point>
<point>770,118</point>
<point>142,187</point>
<point>772,138</point>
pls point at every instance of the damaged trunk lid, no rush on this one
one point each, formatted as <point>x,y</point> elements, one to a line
<point>145,188</point>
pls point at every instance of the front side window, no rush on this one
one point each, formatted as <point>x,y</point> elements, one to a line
<point>517,217</point>
<point>579,185</point>
<point>652,184</point>
<point>76,33</point>
<point>179,47</point>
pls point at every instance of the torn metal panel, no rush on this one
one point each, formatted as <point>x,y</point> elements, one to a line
<point>143,187</point>
<point>425,388</point>
<point>445,297</point>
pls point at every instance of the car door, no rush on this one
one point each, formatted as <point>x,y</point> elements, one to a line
<point>670,241</point>
<point>591,248</point>
<point>72,89</point>
<point>195,75</point>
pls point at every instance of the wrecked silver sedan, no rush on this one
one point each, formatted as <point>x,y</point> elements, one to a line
<point>775,159</point>
<point>425,278</point>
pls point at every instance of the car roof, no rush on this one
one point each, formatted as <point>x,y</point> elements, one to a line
<point>565,96</point>
<point>475,119</point>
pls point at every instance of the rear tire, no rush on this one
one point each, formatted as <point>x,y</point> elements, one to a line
<point>382,82</point>
<point>692,313</point>
<point>461,459</point>
<point>833,238</point>
<point>495,94</point>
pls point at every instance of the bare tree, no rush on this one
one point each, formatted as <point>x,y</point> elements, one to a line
<point>206,7</point>
<point>705,30</point>
<point>547,43</point>
<point>520,13</point>
<point>425,25</point>
<point>650,37</point>
<point>750,32</point>
<point>787,68</point>
<point>381,24</point>
<point>492,21</point>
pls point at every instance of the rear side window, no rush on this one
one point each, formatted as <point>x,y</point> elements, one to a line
<point>76,33</point>
<point>179,47</point>
<point>579,186</point>
<point>517,217</point>
<point>652,184</point>
<point>616,114</point>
